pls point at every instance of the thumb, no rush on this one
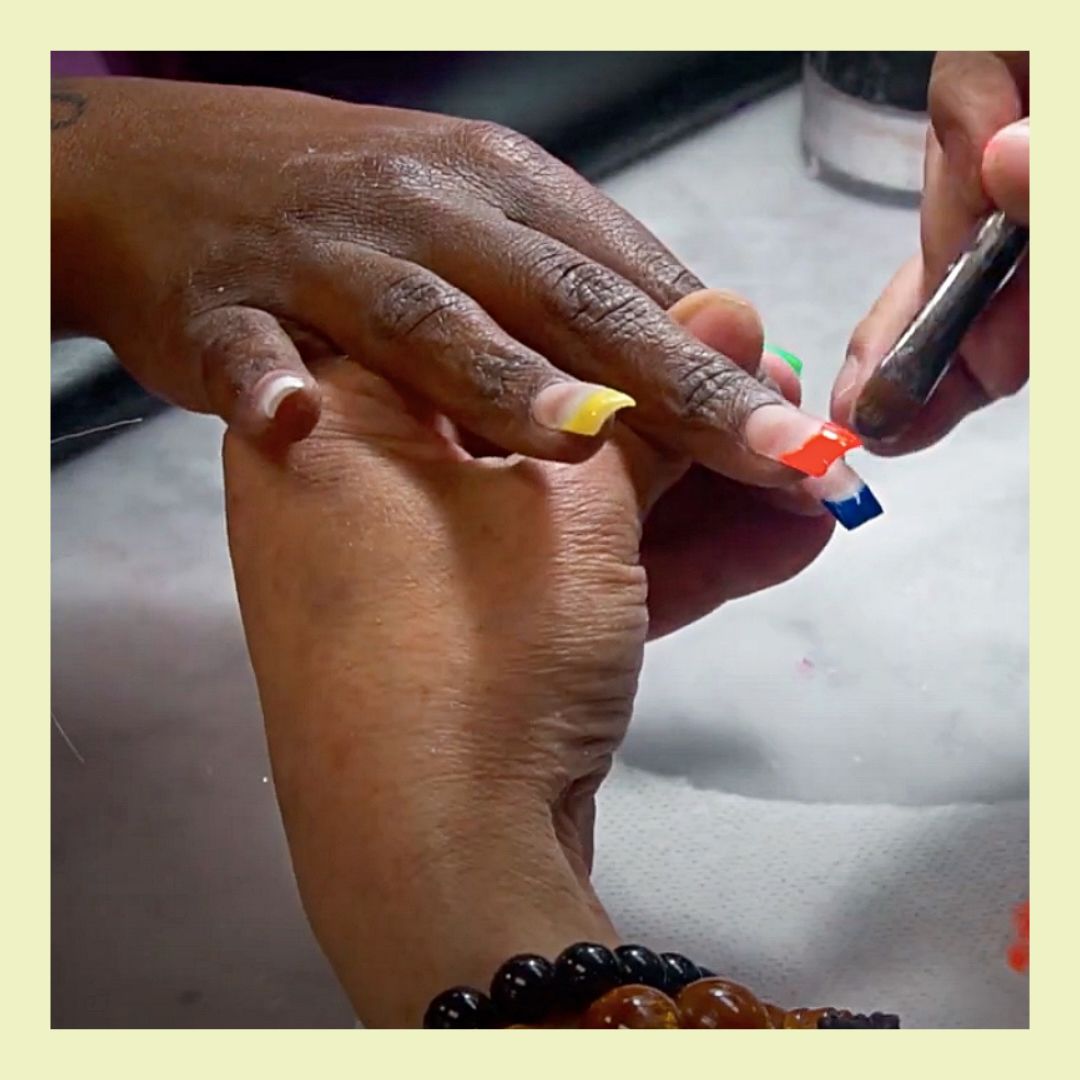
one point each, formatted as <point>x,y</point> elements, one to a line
<point>1006,169</point>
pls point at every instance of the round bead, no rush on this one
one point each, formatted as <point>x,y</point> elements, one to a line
<point>885,1020</point>
<point>833,1019</point>
<point>585,971</point>
<point>641,966</point>
<point>460,1007</point>
<point>523,989</point>
<point>632,1006</point>
<point>679,971</point>
<point>777,1016</point>
<point>803,1018</point>
<point>719,1003</point>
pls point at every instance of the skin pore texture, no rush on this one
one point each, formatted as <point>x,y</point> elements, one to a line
<point>251,231</point>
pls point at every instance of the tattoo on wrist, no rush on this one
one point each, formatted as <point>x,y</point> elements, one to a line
<point>67,107</point>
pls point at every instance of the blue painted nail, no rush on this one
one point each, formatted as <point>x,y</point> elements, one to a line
<point>856,509</point>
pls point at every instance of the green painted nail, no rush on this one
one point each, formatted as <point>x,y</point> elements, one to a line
<point>790,359</point>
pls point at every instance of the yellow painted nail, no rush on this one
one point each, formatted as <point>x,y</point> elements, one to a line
<point>595,410</point>
<point>578,408</point>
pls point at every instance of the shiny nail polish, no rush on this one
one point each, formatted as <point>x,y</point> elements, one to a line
<point>790,359</point>
<point>785,434</point>
<point>846,495</point>
<point>578,408</point>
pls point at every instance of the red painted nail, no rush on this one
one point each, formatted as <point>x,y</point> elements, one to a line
<point>816,454</point>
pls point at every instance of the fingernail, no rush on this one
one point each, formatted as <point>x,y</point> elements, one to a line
<point>578,408</point>
<point>272,389</point>
<point>793,438</point>
<point>790,359</point>
<point>845,384</point>
<point>846,495</point>
<point>848,376</point>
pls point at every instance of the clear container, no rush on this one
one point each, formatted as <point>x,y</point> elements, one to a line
<point>865,119</point>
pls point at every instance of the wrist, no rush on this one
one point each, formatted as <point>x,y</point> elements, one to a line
<point>403,916</point>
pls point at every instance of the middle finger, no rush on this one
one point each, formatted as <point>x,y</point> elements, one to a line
<point>593,323</point>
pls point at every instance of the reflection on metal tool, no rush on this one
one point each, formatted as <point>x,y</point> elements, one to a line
<point>894,394</point>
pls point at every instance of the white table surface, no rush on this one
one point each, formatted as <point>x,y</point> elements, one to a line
<point>825,787</point>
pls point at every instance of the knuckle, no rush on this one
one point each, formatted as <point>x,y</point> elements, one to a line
<point>414,303</point>
<point>227,335</point>
<point>680,280</point>
<point>502,377</point>
<point>490,141</point>
<point>666,278</point>
<point>713,389</point>
<point>592,298</point>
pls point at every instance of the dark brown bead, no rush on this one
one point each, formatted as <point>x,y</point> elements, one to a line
<point>523,988</point>
<point>720,1003</point>
<point>641,966</point>
<point>842,1019</point>
<point>460,1007</point>
<point>632,1007</point>
<point>583,972</point>
<point>679,971</point>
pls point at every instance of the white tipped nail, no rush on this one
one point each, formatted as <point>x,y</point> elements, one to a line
<point>271,390</point>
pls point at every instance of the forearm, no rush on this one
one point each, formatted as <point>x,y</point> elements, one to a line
<point>78,118</point>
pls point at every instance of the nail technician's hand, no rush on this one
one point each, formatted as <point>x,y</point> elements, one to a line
<point>977,158</point>
<point>447,652</point>
<point>217,236</point>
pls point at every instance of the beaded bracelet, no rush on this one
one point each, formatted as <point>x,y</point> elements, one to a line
<point>591,986</point>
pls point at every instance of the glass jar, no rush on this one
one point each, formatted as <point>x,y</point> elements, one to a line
<point>865,119</point>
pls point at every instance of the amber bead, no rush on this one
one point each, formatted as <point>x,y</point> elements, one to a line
<point>719,1003</point>
<point>803,1018</point>
<point>641,966</point>
<point>632,1007</point>
<point>777,1016</point>
<point>585,971</point>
